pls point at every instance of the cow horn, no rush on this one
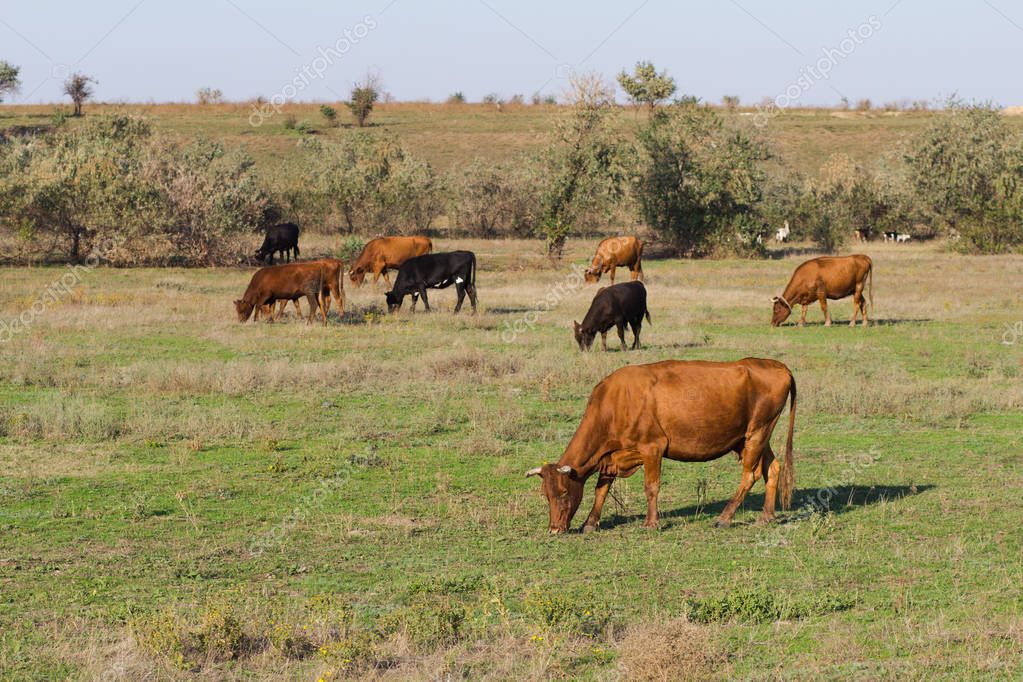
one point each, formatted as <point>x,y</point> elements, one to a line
<point>534,472</point>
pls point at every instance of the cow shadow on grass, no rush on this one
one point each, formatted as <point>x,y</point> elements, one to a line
<point>836,322</point>
<point>837,500</point>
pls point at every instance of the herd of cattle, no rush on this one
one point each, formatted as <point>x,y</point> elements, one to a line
<point>690,411</point>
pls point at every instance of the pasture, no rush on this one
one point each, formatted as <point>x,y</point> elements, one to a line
<point>184,496</point>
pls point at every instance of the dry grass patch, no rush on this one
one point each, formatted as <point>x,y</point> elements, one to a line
<point>670,650</point>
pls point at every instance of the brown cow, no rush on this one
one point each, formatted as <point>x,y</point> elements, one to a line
<point>387,253</point>
<point>690,411</point>
<point>334,287</point>
<point>613,253</point>
<point>827,277</point>
<point>287,282</point>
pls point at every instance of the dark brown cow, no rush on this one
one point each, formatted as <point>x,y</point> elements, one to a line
<point>334,288</point>
<point>827,277</point>
<point>686,411</point>
<point>287,282</point>
<point>613,253</point>
<point>387,253</point>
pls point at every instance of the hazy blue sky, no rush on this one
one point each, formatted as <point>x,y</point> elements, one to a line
<point>158,50</point>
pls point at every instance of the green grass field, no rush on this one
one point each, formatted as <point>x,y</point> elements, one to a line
<point>184,496</point>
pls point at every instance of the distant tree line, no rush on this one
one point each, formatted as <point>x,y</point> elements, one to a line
<point>704,182</point>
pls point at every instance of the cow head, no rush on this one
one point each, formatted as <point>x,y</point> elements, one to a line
<point>583,337</point>
<point>592,275</point>
<point>264,256</point>
<point>564,491</point>
<point>394,301</point>
<point>357,277</point>
<point>781,311</point>
<point>244,310</point>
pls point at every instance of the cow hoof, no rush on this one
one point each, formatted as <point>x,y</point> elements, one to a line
<point>722,524</point>
<point>765,520</point>
<point>589,529</point>
<point>650,525</point>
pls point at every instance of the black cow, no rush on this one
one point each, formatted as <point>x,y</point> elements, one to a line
<point>281,238</point>
<point>434,271</point>
<point>614,306</point>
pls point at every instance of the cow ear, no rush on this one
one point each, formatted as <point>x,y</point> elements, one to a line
<point>575,325</point>
<point>566,469</point>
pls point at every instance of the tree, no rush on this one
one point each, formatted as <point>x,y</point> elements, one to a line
<point>966,169</point>
<point>9,81</point>
<point>78,87</point>
<point>646,86</point>
<point>585,162</point>
<point>364,96</point>
<point>698,182</point>
<point>209,95</point>
<point>82,184</point>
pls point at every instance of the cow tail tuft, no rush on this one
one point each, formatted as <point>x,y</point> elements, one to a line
<point>647,313</point>
<point>788,474</point>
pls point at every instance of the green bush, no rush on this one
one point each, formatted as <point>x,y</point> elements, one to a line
<point>761,605</point>
<point>697,182</point>
<point>371,183</point>
<point>428,622</point>
<point>966,170</point>
<point>329,114</point>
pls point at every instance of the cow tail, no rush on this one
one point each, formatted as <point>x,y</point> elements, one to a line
<point>472,271</point>
<point>647,313</point>
<point>788,474</point>
<point>870,287</point>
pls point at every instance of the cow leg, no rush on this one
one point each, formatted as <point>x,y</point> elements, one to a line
<point>387,277</point>
<point>460,288</point>
<point>599,495</point>
<point>612,273</point>
<point>857,306</point>
<point>652,487</point>
<point>422,295</point>
<point>751,455</point>
<point>824,307</point>
<point>603,339</point>
<point>802,317</point>
<point>323,306</point>
<point>637,325</point>
<point>471,289</point>
<point>313,303</point>
<point>621,335</point>
<point>770,469</point>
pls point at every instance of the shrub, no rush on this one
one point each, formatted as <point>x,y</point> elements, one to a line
<point>845,198</point>
<point>429,622</point>
<point>646,86</point>
<point>966,169</point>
<point>585,163</point>
<point>730,102</point>
<point>112,181</point>
<point>371,182</point>
<point>494,199</point>
<point>209,96</point>
<point>290,122</point>
<point>329,114</point>
<point>698,182</point>
<point>456,98</point>
<point>364,96</point>
<point>9,79</point>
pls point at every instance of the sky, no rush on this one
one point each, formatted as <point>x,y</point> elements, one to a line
<point>794,52</point>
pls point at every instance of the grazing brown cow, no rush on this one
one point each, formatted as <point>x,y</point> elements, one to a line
<point>334,287</point>
<point>613,253</point>
<point>687,411</point>
<point>827,277</point>
<point>287,282</point>
<point>387,253</point>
